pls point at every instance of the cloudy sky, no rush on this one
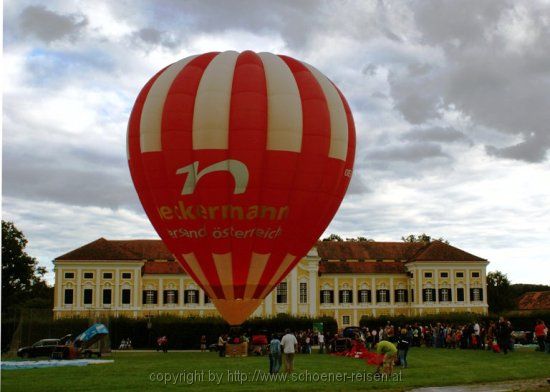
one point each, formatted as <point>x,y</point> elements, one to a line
<point>451,101</point>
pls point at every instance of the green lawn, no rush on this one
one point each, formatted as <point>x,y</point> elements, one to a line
<point>133,371</point>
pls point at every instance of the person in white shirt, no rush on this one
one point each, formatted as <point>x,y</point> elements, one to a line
<point>321,339</point>
<point>290,345</point>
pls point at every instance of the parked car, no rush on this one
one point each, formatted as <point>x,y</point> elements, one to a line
<point>42,348</point>
<point>523,337</point>
<point>352,332</point>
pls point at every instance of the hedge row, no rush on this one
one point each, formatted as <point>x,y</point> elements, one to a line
<point>519,322</point>
<point>185,333</point>
<point>182,333</point>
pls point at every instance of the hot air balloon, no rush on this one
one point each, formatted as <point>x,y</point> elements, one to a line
<point>240,161</point>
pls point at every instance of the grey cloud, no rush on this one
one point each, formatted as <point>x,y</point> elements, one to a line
<point>495,87</point>
<point>293,20</point>
<point>48,26</point>
<point>357,185</point>
<point>533,149</point>
<point>409,153</point>
<point>68,176</point>
<point>152,36</point>
<point>436,134</point>
<point>369,69</point>
<point>457,23</point>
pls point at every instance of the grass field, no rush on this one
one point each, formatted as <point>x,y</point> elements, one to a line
<point>134,371</point>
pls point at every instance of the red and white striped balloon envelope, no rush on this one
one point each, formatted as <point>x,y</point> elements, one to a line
<point>240,161</point>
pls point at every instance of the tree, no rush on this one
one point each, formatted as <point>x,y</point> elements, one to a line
<point>333,237</point>
<point>499,293</point>
<point>22,278</point>
<point>425,238</point>
<point>359,239</point>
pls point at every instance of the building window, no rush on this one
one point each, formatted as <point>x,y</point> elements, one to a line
<point>303,292</point>
<point>282,293</point>
<point>475,274</point>
<point>444,295</point>
<point>126,296</point>
<point>444,274</point>
<point>327,296</point>
<point>69,275</point>
<point>107,275</point>
<point>107,296</point>
<point>364,296</point>
<point>383,296</point>
<point>460,294</point>
<point>429,295</point>
<point>476,294</point>
<point>68,296</point>
<point>401,295</point>
<point>88,275</point>
<point>126,275</point>
<point>412,295</point>
<point>206,299</point>
<point>149,297</point>
<point>460,274</point>
<point>171,296</point>
<point>345,296</point>
<point>88,296</point>
<point>345,320</point>
<point>191,296</point>
<point>427,274</point>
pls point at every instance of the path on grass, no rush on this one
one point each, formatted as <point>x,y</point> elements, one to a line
<point>541,384</point>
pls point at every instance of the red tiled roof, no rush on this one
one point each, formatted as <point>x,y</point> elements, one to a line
<point>343,250</point>
<point>408,251</point>
<point>535,300</point>
<point>162,267</point>
<point>343,267</point>
<point>440,251</point>
<point>147,249</point>
<point>103,249</point>
<point>134,250</point>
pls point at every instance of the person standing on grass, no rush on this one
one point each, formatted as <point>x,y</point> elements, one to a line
<point>403,344</point>
<point>203,343</point>
<point>504,333</point>
<point>321,340</point>
<point>221,346</point>
<point>274,355</point>
<point>290,345</point>
<point>540,333</point>
<point>162,343</point>
<point>477,335</point>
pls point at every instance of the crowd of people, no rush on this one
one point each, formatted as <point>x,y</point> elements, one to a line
<point>497,336</point>
<point>391,342</point>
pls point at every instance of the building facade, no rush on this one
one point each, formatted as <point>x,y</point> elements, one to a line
<point>345,280</point>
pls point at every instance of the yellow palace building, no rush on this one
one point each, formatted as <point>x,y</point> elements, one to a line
<point>345,280</point>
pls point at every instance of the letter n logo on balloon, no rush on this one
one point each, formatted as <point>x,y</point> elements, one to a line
<point>237,169</point>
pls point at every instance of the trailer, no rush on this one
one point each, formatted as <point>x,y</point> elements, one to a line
<point>80,347</point>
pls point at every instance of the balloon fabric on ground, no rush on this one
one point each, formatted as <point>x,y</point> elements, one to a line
<point>240,161</point>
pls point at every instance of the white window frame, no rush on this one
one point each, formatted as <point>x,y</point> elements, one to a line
<point>364,296</point>
<point>400,295</point>
<point>476,294</point>
<point>384,296</point>
<point>282,291</point>
<point>303,292</point>
<point>444,295</point>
